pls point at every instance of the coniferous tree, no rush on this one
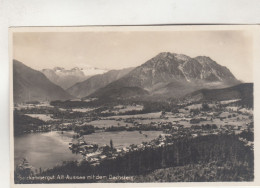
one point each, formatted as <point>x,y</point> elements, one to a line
<point>111,144</point>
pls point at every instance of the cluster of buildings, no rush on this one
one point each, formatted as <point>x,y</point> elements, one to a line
<point>94,154</point>
<point>183,123</point>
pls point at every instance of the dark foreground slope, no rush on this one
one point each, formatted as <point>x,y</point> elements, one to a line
<point>201,159</point>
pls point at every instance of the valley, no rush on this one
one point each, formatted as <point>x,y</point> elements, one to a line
<point>103,133</point>
<point>172,112</point>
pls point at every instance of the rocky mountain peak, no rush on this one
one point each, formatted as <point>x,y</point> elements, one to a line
<point>203,58</point>
<point>168,66</point>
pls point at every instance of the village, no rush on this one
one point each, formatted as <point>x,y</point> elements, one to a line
<point>191,120</point>
<point>186,123</point>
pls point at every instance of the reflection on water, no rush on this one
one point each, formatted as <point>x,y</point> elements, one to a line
<point>44,150</point>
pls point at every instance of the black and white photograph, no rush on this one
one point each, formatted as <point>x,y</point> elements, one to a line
<point>130,104</point>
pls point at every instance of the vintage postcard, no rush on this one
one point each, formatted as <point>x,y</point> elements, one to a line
<point>139,105</point>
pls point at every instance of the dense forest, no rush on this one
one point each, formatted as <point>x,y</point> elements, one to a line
<point>225,157</point>
<point>149,106</point>
<point>23,123</point>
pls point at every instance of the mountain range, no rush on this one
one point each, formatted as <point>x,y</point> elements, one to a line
<point>90,85</point>
<point>165,76</point>
<point>170,75</point>
<point>67,78</point>
<point>32,85</point>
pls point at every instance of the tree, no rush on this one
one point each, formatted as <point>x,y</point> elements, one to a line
<point>205,107</point>
<point>111,144</point>
<point>163,113</point>
<point>106,150</point>
<point>23,169</point>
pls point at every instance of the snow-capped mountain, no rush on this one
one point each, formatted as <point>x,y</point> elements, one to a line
<point>66,78</point>
<point>89,70</point>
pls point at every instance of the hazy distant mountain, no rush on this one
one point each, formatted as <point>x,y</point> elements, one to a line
<point>64,78</point>
<point>241,91</point>
<point>90,85</point>
<point>67,78</point>
<point>173,75</point>
<point>89,70</point>
<point>31,85</point>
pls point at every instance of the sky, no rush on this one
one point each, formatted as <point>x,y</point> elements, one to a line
<point>122,49</point>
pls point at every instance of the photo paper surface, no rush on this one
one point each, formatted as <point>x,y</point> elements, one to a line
<point>166,105</point>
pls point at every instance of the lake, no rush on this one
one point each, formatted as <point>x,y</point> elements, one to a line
<point>46,150</point>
